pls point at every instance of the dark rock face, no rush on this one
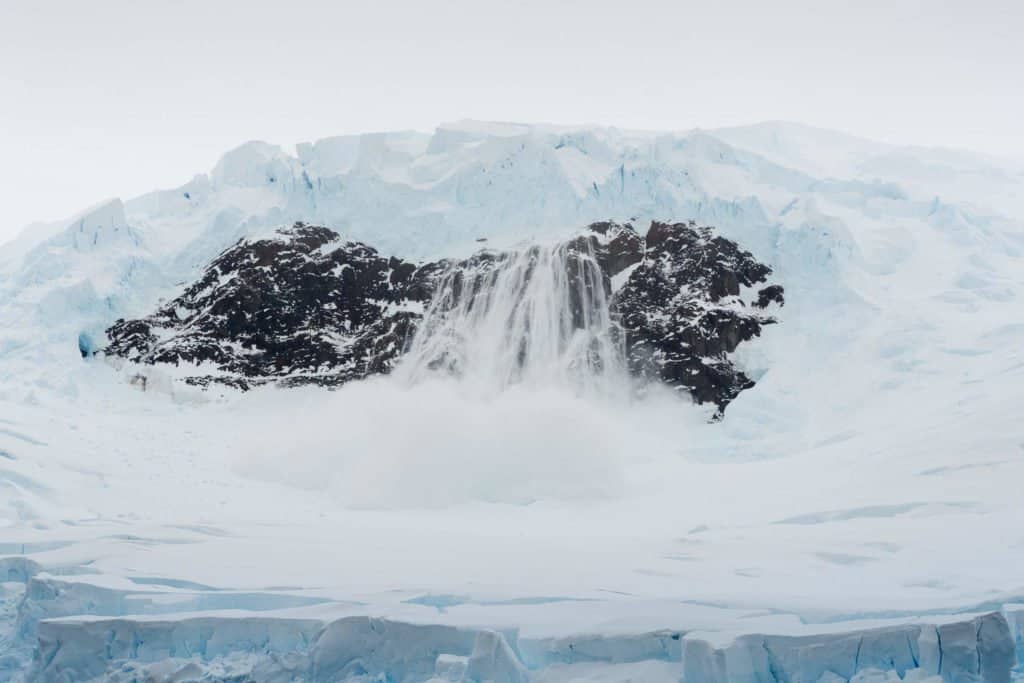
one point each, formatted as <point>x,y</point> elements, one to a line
<point>681,311</point>
<point>305,307</point>
<point>301,307</point>
<point>623,246</point>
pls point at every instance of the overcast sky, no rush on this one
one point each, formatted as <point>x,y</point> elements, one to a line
<point>113,98</point>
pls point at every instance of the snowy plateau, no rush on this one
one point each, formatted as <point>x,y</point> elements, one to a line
<point>853,514</point>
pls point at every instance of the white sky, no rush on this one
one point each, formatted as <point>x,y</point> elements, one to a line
<point>106,98</point>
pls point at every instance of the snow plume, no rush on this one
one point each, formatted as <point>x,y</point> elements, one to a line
<point>381,443</point>
<point>538,317</point>
<point>514,390</point>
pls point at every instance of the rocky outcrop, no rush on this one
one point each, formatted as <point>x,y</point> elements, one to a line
<point>682,312</point>
<point>300,307</point>
<point>305,306</point>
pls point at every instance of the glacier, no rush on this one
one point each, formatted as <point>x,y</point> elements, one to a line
<point>856,515</point>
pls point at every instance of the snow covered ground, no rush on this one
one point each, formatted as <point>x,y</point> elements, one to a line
<point>871,479</point>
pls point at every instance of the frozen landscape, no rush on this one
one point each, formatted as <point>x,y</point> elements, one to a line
<point>839,501</point>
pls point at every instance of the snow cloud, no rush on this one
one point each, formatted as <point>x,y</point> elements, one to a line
<point>380,444</point>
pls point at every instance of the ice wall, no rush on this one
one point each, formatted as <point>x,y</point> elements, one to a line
<point>978,649</point>
<point>360,648</point>
<point>115,634</point>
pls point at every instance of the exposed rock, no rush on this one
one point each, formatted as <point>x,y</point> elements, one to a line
<point>768,295</point>
<point>682,314</point>
<point>301,307</point>
<point>622,246</point>
<point>306,307</point>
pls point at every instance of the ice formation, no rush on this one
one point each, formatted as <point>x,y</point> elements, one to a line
<point>855,516</point>
<point>537,315</point>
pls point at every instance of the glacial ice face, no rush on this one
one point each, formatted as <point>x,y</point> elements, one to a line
<point>409,193</point>
<point>103,641</point>
<point>273,649</point>
<point>103,231</point>
<point>357,649</point>
<point>256,164</point>
<point>976,650</point>
<point>59,291</point>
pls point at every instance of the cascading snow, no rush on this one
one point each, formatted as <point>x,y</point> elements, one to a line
<point>539,316</point>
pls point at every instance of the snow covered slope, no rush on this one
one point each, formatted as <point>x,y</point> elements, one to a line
<point>856,515</point>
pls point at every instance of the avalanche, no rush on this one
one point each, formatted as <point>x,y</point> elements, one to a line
<point>855,516</point>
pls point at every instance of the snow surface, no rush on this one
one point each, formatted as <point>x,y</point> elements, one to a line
<point>870,480</point>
